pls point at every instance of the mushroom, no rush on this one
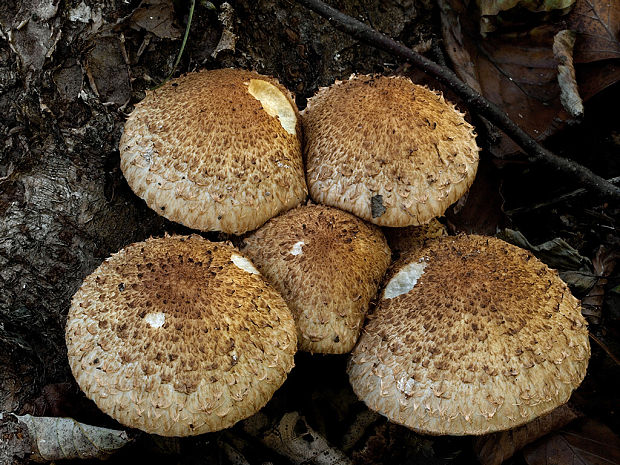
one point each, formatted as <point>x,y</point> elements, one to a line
<point>472,335</point>
<point>179,336</point>
<point>401,240</point>
<point>392,152</point>
<point>328,265</point>
<point>216,150</point>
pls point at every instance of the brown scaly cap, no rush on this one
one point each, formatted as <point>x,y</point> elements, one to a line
<point>472,335</point>
<point>216,150</point>
<point>328,265</point>
<point>402,240</point>
<point>179,336</point>
<point>389,151</point>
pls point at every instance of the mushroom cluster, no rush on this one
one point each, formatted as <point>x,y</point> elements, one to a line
<point>180,336</point>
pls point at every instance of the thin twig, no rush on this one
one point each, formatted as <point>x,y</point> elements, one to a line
<point>474,100</point>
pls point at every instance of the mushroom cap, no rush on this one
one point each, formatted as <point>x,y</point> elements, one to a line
<point>216,150</point>
<point>328,265</point>
<point>179,336</point>
<point>392,152</point>
<point>401,240</point>
<point>472,335</point>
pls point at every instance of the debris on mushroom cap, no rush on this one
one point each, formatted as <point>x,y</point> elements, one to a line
<point>390,151</point>
<point>472,335</point>
<point>179,336</point>
<point>328,265</point>
<point>401,240</point>
<point>216,150</point>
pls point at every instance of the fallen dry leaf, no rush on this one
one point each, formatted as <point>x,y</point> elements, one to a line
<point>493,449</point>
<point>52,438</point>
<point>517,69</point>
<point>604,263</point>
<point>480,210</point>
<point>584,443</point>
<point>597,24</point>
<point>156,17</point>
<point>563,44</point>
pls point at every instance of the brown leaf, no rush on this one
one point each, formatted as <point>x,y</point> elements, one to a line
<point>493,449</point>
<point>597,23</point>
<point>585,443</point>
<point>107,71</point>
<point>517,70</point>
<point>480,210</point>
<point>156,17</point>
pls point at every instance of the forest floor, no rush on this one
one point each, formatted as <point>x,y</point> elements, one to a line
<point>70,72</point>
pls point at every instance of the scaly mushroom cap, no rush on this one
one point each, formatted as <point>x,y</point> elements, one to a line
<point>179,336</point>
<point>389,151</point>
<point>472,335</point>
<point>216,150</point>
<point>328,265</point>
<point>402,240</point>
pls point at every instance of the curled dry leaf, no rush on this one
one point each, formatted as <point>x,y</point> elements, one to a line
<point>517,70</point>
<point>293,438</point>
<point>53,438</point>
<point>493,449</point>
<point>563,44</point>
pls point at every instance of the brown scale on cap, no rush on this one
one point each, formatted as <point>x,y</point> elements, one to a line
<point>179,336</point>
<point>216,150</point>
<point>389,151</point>
<point>328,265</point>
<point>472,335</point>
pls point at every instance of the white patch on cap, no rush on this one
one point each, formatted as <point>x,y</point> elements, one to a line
<point>243,263</point>
<point>404,280</point>
<point>296,250</point>
<point>274,103</point>
<point>156,319</point>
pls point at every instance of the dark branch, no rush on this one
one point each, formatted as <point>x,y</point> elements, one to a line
<point>474,100</point>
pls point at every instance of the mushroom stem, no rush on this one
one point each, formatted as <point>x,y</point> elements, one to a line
<point>477,102</point>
